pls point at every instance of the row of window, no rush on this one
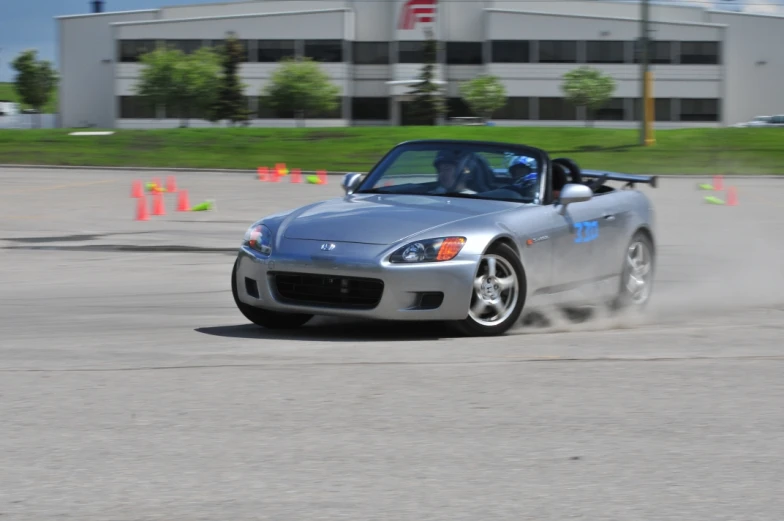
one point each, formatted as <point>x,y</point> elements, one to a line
<point>457,53</point>
<point>517,108</point>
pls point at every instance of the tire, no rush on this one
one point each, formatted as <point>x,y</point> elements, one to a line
<point>641,248</point>
<point>264,317</point>
<point>508,263</point>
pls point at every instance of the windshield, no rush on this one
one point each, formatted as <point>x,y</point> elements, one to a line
<point>457,169</point>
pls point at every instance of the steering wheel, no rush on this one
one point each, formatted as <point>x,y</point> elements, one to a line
<point>574,171</point>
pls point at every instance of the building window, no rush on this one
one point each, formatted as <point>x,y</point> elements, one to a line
<point>458,108</point>
<point>510,51</point>
<point>264,111</point>
<point>662,109</point>
<point>184,46</point>
<point>658,52</point>
<point>371,53</point>
<point>515,108</point>
<point>557,51</point>
<point>131,51</point>
<point>605,52</point>
<point>272,51</point>
<point>368,109</point>
<point>613,110</point>
<point>329,51</point>
<point>699,53</point>
<point>464,53</point>
<point>336,113</point>
<point>694,109</point>
<point>217,45</point>
<point>556,109</point>
<point>136,107</point>
<point>411,52</point>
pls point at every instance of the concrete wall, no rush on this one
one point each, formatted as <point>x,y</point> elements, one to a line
<point>87,54</point>
<point>754,57</point>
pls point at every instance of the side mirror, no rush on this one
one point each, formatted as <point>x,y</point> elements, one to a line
<point>351,182</point>
<point>573,193</point>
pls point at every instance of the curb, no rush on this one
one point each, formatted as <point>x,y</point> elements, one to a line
<point>313,172</point>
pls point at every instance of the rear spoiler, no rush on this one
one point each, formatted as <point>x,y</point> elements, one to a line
<point>630,179</point>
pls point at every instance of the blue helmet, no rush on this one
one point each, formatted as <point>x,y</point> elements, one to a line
<point>530,162</point>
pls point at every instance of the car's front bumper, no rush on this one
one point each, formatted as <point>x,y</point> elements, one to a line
<point>356,282</point>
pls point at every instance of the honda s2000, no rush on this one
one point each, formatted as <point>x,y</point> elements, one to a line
<point>467,232</point>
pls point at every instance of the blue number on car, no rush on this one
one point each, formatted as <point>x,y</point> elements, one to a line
<point>586,231</point>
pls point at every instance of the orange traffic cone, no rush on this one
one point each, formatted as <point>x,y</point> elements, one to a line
<point>296,175</point>
<point>182,201</point>
<point>137,190</point>
<point>171,184</point>
<point>263,172</point>
<point>718,182</point>
<point>141,209</point>
<point>322,175</point>
<point>159,208</point>
<point>732,196</point>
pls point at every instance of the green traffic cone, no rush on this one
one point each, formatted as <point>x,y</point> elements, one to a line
<point>313,179</point>
<point>705,186</point>
<point>713,200</point>
<point>203,207</point>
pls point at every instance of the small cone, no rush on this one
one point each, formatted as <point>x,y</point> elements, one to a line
<point>141,209</point>
<point>313,180</point>
<point>718,182</point>
<point>182,201</point>
<point>203,207</point>
<point>732,196</point>
<point>713,200</point>
<point>322,175</point>
<point>158,206</point>
<point>137,190</point>
<point>296,175</point>
<point>171,184</point>
<point>281,170</point>
<point>263,172</point>
<point>705,186</point>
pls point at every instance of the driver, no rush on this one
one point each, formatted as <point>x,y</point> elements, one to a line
<point>446,163</point>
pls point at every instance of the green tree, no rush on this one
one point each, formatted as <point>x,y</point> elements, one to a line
<point>484,95</point>
<point>588,87</point>
<point>302,86</point>
<point>197,78</point>
<point>36,80</point>
<point>231,104</point>
<point>186,84</point>
<point>428,98</point>
<point>156,84</point>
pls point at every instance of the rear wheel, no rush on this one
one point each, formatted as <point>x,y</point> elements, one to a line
<point>264,317</point>
<point>637,274</point>
<point>498,296</point>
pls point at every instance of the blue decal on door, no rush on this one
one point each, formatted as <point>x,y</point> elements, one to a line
<point>587,231</point>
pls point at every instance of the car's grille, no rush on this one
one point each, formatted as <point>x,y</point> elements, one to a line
<point>327,290</point>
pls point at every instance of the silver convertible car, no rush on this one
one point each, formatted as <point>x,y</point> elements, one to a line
<point>468,232</point>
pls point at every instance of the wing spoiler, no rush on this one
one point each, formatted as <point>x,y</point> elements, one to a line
<point>631,179</point>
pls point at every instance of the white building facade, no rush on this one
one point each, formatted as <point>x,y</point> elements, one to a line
<point>710,68</point>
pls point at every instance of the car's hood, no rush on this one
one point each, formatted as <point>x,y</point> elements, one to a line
<point>381,218</point>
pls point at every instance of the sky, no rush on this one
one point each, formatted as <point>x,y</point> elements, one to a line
<point>31,24</point>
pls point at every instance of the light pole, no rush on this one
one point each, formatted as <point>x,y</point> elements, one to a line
<point>646,101</point>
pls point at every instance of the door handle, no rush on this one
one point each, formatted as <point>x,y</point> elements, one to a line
<point>608,217</point>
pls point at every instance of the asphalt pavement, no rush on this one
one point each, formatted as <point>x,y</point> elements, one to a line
<point>131,388</point>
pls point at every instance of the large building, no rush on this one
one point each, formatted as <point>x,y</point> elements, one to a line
<point>710,68</point>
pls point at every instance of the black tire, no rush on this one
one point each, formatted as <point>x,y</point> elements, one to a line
<point>624,301</point>
<point>470,327</point>
<point>264,317</point>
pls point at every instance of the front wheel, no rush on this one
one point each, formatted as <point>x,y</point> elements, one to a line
<point>264,317</point>
<point>499,294</point>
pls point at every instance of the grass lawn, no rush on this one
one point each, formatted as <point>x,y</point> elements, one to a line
<point>690,151</point>
<point>8,93</point>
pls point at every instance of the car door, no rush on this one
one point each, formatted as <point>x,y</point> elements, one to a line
<point>582,236</point>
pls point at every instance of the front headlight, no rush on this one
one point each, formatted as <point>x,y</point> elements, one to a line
<point>259,238</point>
<point>429,250</point>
